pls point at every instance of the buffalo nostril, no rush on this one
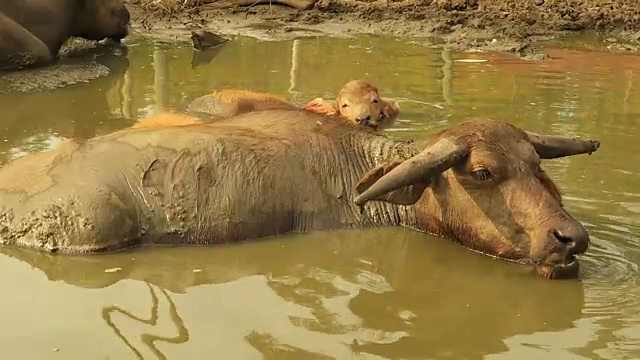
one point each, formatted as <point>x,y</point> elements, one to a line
<point>562,237</point>
<point>575,238</point>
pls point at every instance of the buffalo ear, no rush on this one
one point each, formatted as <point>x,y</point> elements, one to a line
<point>390,108</point>
<point>406,195</point>
<point>406,180</point>
<point>206,104</point>
<point>321,106</point>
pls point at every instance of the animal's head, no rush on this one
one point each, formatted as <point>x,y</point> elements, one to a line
<point>102,19</point>
<point>360,102</point>
<point>480,182</point>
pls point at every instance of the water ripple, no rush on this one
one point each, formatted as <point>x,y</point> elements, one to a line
<point>607,261</point>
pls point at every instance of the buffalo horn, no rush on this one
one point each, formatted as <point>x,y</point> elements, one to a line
<point>420,168</point>
<point>551,147</point>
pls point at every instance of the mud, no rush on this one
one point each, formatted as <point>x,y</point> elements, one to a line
<point>51,77</point>
<point>515,26</point>
<point>80,61</point>
<point>496,25</point>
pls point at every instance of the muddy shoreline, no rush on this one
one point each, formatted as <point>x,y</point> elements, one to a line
<point>515,26</point>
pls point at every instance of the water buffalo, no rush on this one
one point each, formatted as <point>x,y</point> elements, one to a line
<point>32,32</point>
<point>275,171</point>
<point>358,100</point>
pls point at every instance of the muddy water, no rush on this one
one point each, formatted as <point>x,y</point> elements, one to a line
<point>383,294</point>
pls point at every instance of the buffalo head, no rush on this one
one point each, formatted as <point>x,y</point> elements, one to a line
<point>102,19</point>
<point>480,182</point>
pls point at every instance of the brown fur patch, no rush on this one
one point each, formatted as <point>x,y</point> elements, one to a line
<point>230,102</point>
<point>164,120</point>
<point>548,184</point>
<point>237,101</point>
<point>234,95</point>
<point>471,131</point>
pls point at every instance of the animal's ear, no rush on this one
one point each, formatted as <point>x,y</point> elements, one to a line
<point>321,106</point>
<point>407,195</point>
<point>206,104</point>
<point>412,175</point>
<point>390,108</point>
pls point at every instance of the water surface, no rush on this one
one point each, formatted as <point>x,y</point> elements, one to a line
<point>378,294</point>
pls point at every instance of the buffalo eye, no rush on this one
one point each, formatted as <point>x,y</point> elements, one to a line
<point>482,174</point>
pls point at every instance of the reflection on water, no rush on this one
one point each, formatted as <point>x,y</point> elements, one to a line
<point>148,339</point>
<point>36,121</point>
<point>384,294</point>
<point>379,294</point>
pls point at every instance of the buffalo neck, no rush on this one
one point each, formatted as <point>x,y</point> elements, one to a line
<point>368,152</point>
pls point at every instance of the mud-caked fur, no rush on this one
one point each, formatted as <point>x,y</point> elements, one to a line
<point>271,172</point>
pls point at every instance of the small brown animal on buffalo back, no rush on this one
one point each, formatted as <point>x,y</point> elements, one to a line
<point>226,103</point>
<point>359,101</point>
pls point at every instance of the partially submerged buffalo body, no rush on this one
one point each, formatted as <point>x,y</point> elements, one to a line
<point>32,32</point>
<point>275,171</point>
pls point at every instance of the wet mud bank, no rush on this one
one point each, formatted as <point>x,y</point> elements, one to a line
<point>514,26</point>
<point>80,61</point>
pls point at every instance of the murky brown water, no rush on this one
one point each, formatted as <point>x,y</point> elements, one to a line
<point>382,294</point>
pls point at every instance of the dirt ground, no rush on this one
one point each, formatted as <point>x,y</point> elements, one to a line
<point>499,25</point>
